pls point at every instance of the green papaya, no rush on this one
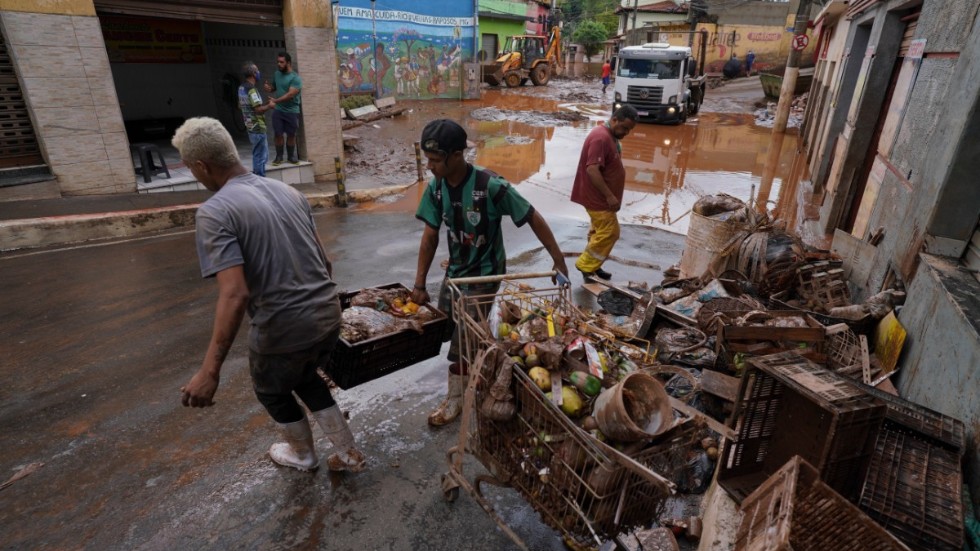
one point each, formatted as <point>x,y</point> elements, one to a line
<point>589,385</point>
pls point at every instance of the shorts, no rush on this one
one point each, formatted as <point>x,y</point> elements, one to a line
<point>446,305</point>
<point>284,123</point>
<point>605,81</point>
<point>275,377</point>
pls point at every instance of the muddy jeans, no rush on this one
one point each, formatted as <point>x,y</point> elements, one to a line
<point>446,305</point>
<point>275,377</point>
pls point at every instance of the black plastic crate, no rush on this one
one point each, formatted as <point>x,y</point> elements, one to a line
<point>360,362</point>
<point>942,430</point>
<point>790,406</point>
<point>913,489</point>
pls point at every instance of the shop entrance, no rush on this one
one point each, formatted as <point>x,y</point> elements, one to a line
<point>187,64</point>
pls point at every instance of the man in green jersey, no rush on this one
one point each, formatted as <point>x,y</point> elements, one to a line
<point>471,202</point>
<point>286,98</point>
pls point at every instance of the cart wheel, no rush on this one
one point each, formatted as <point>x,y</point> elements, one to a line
<point>450,489</point>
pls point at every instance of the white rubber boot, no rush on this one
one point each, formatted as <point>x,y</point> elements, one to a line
<point>297,451</point>
<point>451,407</point>
<point>347,457</point>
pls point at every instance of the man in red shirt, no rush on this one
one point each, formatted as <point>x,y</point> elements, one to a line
<point>606,70</point>
<point>599,184</point>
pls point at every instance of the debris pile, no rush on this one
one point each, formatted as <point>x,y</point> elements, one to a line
<point>766,116</point>
<point>774,343</point>
<point>750,364</point>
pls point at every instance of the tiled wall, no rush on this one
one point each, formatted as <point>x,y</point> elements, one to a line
<point>314,58</point>
<point>62,63</point>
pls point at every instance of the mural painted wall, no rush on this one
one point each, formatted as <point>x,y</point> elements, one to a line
<point>417,51</point>
<point>769,43</point>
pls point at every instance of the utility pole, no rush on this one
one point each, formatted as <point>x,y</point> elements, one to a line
<point>792,68</point>
<point>636,6</point>
<point>374,53</point>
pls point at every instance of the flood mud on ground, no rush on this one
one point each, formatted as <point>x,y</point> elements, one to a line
<point>532,136</point>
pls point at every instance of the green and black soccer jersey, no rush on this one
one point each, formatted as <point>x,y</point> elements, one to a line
<point>472,213</point>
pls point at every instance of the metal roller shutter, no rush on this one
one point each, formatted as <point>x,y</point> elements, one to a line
<point>249,12</point>
<point>18,144</point>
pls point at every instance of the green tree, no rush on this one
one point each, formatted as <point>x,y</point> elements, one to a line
<point>590,35</point>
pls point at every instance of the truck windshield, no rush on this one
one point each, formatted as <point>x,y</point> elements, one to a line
<point>649,68</point>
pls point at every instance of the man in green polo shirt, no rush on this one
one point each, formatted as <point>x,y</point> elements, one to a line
<point>471,202</point>
<point>286,98</point>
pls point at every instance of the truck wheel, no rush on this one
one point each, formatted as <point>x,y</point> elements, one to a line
<point>696,99</point>
<point>541,74</point>
<point>512,79</point>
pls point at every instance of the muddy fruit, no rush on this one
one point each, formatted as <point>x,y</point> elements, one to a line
<point>589,424</point>
<point>529,349</point>
<point>708,442</point>
<point>541,377</point>
<point>571,402</point>
<point>519,361</point>
<point>503,330</point>
<point>515,336</point>
<point>712,453</point>
<point>532,360</point>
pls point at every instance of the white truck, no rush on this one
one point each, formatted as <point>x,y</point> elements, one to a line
<point>663,82</point>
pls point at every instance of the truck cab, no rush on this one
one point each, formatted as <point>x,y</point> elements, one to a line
<point>660,80</point>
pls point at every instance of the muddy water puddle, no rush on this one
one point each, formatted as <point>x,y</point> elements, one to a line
<point>534,142</point>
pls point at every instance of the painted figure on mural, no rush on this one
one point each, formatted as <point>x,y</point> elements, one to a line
<point>410,77</point>
<point>425,71</point>
<point>382,66</point>
<point>350,81</point>
<point>400,76</point>
<point>749,60</point>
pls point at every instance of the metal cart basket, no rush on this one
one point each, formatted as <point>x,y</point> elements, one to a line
<point>586,490</point>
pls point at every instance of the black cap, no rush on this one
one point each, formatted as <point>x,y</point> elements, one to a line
<point>443,136</point>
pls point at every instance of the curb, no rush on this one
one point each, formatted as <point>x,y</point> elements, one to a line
<point>32,233</point>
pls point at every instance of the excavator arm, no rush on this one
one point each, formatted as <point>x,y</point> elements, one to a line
<point>554,50</point>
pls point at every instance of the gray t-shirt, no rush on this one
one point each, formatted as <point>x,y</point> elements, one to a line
<point>267,227</point>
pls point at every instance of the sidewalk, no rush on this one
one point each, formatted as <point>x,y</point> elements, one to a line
<point>37,223</point>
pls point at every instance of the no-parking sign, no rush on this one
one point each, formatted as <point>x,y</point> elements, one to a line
<point>800,41</point>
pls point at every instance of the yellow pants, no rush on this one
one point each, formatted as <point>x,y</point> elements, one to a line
<point>603,234</point>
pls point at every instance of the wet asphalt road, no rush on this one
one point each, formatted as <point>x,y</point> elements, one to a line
<point>96,342</point>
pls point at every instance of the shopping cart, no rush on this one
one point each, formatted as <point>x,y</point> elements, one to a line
<point>586,490</point>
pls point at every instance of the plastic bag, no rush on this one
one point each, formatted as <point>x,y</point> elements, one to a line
<point>615,303</point>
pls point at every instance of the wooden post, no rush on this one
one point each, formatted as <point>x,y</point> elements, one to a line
<point>341,188</point>
<point>792,70</point>
<point>418,163</point>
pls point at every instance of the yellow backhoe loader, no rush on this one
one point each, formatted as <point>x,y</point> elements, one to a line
<point>526,57</point>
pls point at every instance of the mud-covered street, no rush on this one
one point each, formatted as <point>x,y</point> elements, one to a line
<point>532,136</point>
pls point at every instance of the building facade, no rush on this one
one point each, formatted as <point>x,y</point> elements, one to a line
<point>500,19</point>
<point>891,140</point>
<point>86,78</point>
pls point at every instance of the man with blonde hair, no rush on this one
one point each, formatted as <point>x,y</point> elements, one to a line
<point>256,236</point>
